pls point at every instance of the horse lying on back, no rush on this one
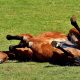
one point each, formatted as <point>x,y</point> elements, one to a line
<point>43,48</point>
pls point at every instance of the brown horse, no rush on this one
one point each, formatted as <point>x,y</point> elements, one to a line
<point>42,48</point>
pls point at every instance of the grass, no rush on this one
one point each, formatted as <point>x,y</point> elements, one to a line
<point>35,17</point>
<point>38,71</point>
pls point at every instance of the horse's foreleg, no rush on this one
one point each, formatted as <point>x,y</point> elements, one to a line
<point>21,45</point>
<point>10,37</point>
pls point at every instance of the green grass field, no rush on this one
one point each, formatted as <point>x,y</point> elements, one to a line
<point>35,17</point>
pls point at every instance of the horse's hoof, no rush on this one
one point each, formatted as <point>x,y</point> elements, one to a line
<point>8,37</point>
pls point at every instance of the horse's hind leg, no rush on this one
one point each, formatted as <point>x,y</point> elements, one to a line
<point>59,46</point>
<point>74,23</point>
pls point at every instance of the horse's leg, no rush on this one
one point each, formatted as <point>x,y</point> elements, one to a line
<point>68,58</point>
<point>20,54</point>
<point>16,37</point>
<point>74,23</point>
<point>12,48</point>
<point>21,45</point>
<point>58,45</point>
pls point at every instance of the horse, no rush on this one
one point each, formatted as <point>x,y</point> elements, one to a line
<point>43,49</point>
